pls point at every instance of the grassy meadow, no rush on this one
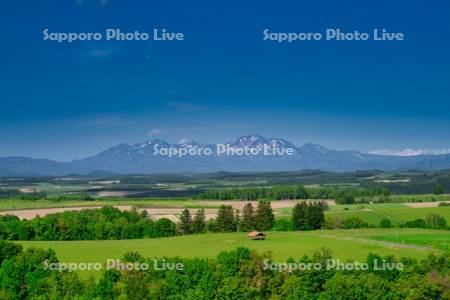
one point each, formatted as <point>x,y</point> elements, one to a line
<point>344,244</point>
<point>396,212</point>
<point>374,213</point>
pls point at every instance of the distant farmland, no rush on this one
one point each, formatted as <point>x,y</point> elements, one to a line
<point>370,213</point>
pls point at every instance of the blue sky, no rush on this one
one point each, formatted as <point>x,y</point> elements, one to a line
<point>71,100</point>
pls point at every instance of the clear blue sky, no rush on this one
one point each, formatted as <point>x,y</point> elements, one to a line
<point>66,101</point>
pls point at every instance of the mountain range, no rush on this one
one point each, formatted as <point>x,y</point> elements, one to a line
<point>142,158</point>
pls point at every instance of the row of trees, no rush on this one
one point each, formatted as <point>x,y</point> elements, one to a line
<point>433,220</point>
<point>293,192</point>
<point>236,274</point>
<point>229,219</point>
<point>308,216</point>
<point>277,192</point>
<point>16,194</point>
<point>190,225</point>
<point>111,223</point>
<point>90,224</point>
<point>305,216</point>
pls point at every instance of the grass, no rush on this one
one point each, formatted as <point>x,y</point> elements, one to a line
<point>407,213</point>
<point>390,234</point>
<point>437,239</point>
<point>371,217</point>
<point>282,245</point>
<point>374,213</point>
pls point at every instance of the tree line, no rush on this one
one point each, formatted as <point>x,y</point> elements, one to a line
<point>305,216</point>
<point>236,274</point>
<point>109,223</point>
<point>277,192</point>
<point>105,223</point>
<point>17,194</point>
<point>293,192</point>
<point>229,220</point>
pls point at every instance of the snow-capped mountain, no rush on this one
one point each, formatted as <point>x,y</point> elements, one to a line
<point>145,158</point>
<point>147,147</point>
<point>256,141</point>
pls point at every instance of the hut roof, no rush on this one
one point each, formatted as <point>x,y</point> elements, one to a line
<point>255,233</point>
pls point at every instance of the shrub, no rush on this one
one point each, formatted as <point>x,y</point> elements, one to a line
<point>211,225</point>
<point>8,249</point>
<point>385,223</point>
<point>334,223</point>
<point>282,225</point>
<point>435,221</point>
<point>164,227</point>
<point>417,223</point>
<point>432,220</point>
<point>345,197</point>
<point>438,190</point>
<point>355,222</point>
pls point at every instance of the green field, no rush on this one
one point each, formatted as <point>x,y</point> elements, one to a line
<point>344,244</point>
<point>374,213</point>
<point>436,239</point>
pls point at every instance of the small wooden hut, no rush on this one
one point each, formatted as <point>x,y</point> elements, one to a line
<point>256,235</point>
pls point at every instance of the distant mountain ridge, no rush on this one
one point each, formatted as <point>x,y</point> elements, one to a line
<point>141,158</point>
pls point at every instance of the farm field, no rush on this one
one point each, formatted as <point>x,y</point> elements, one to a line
<point>370,213</point>
<point>153,207</point>
<point>11,204</point>
<point>374,213</point>
<point>396,212</point>
<point>14,204</point>
<point>283,245</point>
<point>437,239</point>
